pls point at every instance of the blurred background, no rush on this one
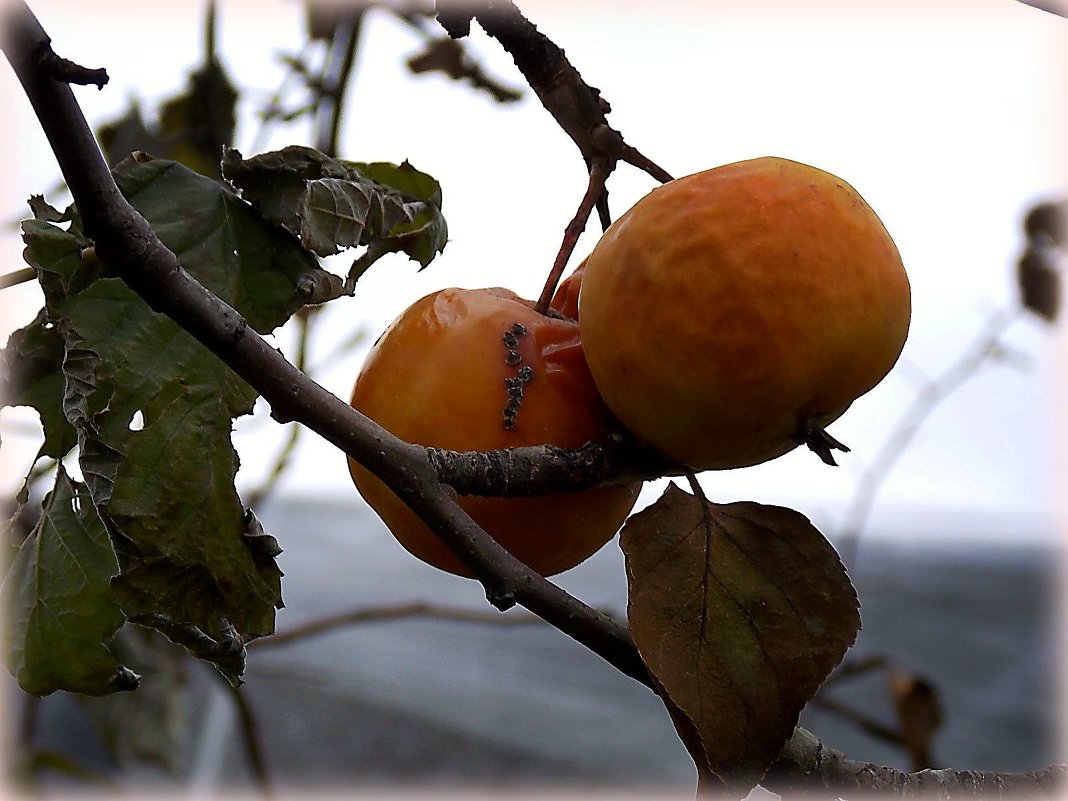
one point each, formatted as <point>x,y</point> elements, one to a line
<point>951,124</point>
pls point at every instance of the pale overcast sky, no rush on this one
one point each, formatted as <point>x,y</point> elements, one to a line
<point>949,118</point>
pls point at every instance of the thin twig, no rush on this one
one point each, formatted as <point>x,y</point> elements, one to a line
<point>386,614</point>
<point>251,736</point>
<point>706,510</point>
<point>578,108</point>
<point>864,722</point>
<point>289,447</point>
<point>273,110</point>
<point>17,277</point>
<point>894,446</point>
<point>600,169</point>
<point>62,69</point>
<point>851,668</point>
<point>449,57</point>
<point>335,80</point>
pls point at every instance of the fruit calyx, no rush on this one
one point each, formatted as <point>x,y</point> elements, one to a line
<point>816,438</point>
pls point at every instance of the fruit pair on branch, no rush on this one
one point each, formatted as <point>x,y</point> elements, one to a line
<point>725,319</point>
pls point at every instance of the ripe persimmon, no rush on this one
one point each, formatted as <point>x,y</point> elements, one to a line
<point>732,314</point>
<point>565,299</point>
<point>479,370</point>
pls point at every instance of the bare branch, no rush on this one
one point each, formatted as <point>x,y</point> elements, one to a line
<point>250,731</point>
<point>335,79</point>
<point>289,447</point>
<point>16,277</point>
<point>599,172</point>
<point>67,71</point>
<point>545,469</point>
<point>577,107</point>
<point>808,767</point>
<point>894,446</point>
<point>387,614</point>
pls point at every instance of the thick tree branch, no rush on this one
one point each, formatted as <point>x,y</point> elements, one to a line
<point>125,239</point>
<point>545,469</point>
<point>808,767</point>
<point>576,106</point>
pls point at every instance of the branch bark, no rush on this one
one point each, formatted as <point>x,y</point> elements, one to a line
<point>387,614</point>
<point>578,108</point>
<point>808,767</point>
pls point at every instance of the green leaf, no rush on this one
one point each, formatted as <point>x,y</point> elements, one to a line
<point>30,376</point>
<point>61,615</point>
<point>740,611</point>
<point>30,364</point>
<point>333,205</point>
<point>165,488</point>
<point>427,234</point>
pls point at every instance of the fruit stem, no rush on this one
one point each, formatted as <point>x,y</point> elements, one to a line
<point>600,169</point>
<point>819,441</point>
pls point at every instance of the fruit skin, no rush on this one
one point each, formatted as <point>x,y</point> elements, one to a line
<point>565,299</point>
<point>436,377</point>
<point>729,308</point>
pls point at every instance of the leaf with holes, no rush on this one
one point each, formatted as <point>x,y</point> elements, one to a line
<point>60,614</point>
<point>30,375</point>
<point>333,205</point>
<point>740,612</point>
<point>165,489</point>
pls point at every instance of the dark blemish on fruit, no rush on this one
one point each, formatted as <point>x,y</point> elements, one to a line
<point>514,385</point>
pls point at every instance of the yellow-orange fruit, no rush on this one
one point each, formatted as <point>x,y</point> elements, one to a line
<point>445,374</point>
<point>565,299</point>
<point>731,311</point>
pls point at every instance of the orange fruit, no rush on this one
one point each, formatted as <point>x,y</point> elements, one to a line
<point>479,370</point>
<point>565,299</point>
<point>732,314</point>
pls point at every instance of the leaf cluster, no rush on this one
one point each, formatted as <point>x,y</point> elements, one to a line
<point>150,411</point>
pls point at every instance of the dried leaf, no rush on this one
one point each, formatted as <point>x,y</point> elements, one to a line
<point>740,611</point>
<point>1037,273</point>
<point>919,713</point>
<point>1040,285</point>
<point>332,205</point>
